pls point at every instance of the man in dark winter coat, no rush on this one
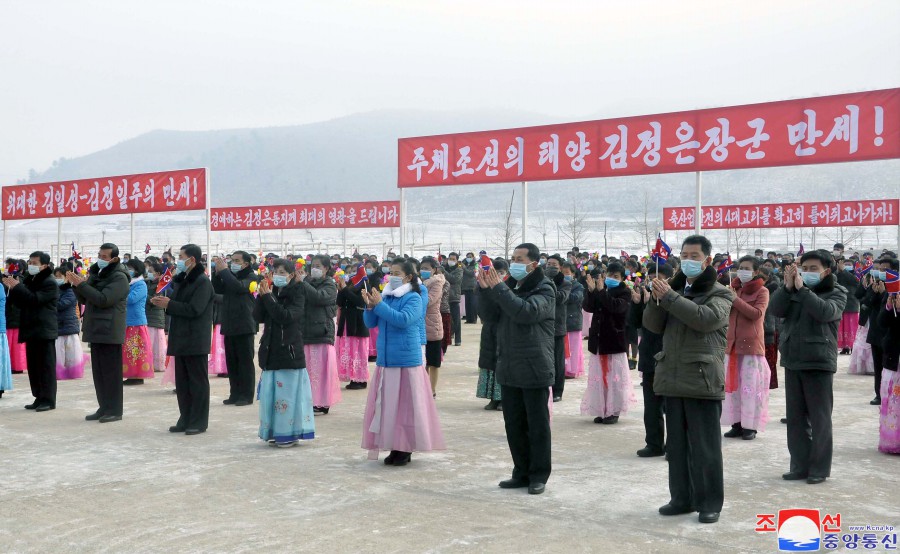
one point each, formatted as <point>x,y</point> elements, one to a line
<point>37,297</point>
<point>553,270</point>
<point>650,345</point>
<point>692,315</point>
<point>190,338</point>
<point>524,310</point>
<point>812,304</point>
<point>238,326</point>
<point>468,286</point>
<point>453,272</point>
<point>105,295</point>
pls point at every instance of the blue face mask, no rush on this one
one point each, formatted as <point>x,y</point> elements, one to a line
<point>369,271</point>
<point>279,280</point>
<point>179,266</point>
<point>236,267</point>
<point>568,278</point>
<point>775,270</point>
<point>612,283</point>
<point>426,275</point>
<point>691,268</point>
<point>518,271</point>
<point>810,278</point>
<point>131,273</point>
<point>848,268</point>
<point>877,274</point>
<point>395,281</point>
<point>627,272</point>
<point>102,263</point>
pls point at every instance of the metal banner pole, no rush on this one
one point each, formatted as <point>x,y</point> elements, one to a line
<point>698,207</point>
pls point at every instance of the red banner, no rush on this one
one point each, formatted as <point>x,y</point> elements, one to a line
<point>859,213</point>
<point>183,189</point>
<point>339,215</point>
<point>829,129</point>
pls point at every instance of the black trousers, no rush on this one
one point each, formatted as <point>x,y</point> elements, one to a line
<point>471,306</point>
<point>192,386</point>
<point>527,421</point>
<point>654,408</point>
<point>106,366</point>
<point>241,369</point>
<point>559,365</point>
<point>878,361</point>
<point>809,401</point>
<point>694,450</point>
<point>457,324</point>
<point>40,357</point>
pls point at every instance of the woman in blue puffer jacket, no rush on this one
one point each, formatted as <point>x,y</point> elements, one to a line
<point>137,352</point>
<point>400,413</point>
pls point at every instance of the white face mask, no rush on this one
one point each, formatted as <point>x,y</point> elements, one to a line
<point>744,275</point>
<point>316,273</point>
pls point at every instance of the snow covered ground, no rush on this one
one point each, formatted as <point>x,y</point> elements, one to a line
<point>74,486</point>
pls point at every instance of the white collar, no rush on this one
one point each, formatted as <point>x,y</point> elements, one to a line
<point>400,291</point>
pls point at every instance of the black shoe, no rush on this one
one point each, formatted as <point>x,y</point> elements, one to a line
<point>229,401</point>
<point>110,418</point>
<point>45,408</point>
<point>492,405</point>
<point>373,358</point>
<point>176,429</point>
<point>557,398</point>
<point>794,476</point>
<point>351,386</point>
<point>133,382</point>
<point>243,403</point>
<point>709,517</point>
<point>670,510</point>
<point>648,452</point>
<point>514,484</point>
<point>536,488</point>
<point>632,363</point>
<point>611,420</point>
<point>402,458</point>
<point>222,376</point>
<point>748,434</point>
<point>457,344</point>
<point>733,433</point>
<point>784,420</point>
<point>876,401</point>
<point>815,480</point>
<point>363,384</point>
<point>17,371</point>
<point>93,417</point>
<point>389,461</point>
<point>31,406</point>
<point>320,410</point>
<point>598,419</point>
<point>845,351</point>
<point>194,431</point>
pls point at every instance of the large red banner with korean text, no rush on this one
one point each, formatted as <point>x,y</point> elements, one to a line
<point>183,189</point>
<point>843,128</point>
<point>849,213</point>
<point>337,215</point>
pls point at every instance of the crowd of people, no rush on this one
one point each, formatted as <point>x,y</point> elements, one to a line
<point>704,332</point>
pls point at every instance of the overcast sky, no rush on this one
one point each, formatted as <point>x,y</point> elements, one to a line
<point>77,76</point>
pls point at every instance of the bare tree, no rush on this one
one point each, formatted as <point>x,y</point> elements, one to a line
<point>542,226</point>
<point>846,235</point>
<point>741,240</point>
<point>645,225</point>
<point>506,231</point>
<point>574,226</point>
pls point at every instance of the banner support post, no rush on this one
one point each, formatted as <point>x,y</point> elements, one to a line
<point>58,238</point>
<point>698,207</point>
<point>131,242</point>
<point>209,254</point>
<point>402,222</point>
<point>4,240</point>
<point>344,242</point>
<point>524,209</point>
